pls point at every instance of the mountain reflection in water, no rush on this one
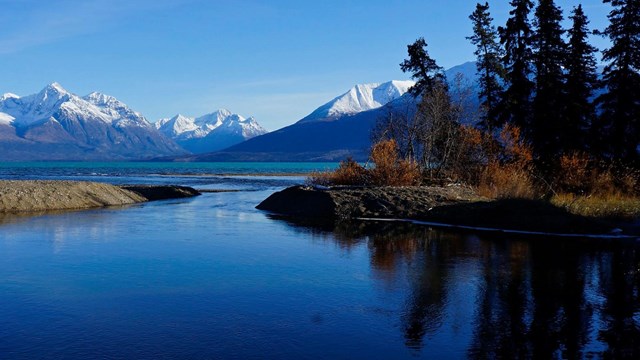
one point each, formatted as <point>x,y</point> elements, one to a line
<point>540,298</point>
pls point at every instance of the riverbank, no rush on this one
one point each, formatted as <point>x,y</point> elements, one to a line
<point>454,205</point>
<point>25,196</point>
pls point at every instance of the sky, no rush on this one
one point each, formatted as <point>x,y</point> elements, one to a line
<point>274,60</point>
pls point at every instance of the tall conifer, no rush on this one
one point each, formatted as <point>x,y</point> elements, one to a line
<point>515,106</point>
<point>581,81</point>
<point>549,54</point>
<point>423,68</point>
<point>489,66</point>
<point>619,120</point>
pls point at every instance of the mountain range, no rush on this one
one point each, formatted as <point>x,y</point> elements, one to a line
<point>55,124</point>
<point>342,127</point>
<point>210,132</point>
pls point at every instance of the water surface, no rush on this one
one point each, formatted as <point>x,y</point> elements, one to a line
<point>211,277</point>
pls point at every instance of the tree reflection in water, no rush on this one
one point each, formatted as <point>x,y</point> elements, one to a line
<point>535,298</point>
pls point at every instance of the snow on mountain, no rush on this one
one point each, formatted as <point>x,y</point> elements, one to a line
<point>360,98</point>
<point>209,132</point>
<point>57,124</point>
<point>54,99</point>
<point>8,96</point>
<point>6,119</point>
<point>179,127</point>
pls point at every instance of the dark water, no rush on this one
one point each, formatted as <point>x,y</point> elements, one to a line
<point>213,278</point>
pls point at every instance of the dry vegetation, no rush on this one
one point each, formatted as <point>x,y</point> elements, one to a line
<point>389,170</point>
<point>502,169</point>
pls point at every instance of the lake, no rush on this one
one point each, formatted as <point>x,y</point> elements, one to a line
<point>213,278</point>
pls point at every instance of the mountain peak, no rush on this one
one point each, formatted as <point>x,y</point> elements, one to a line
<point>55,87</point>
<point>221,113</point>
<point>98,98</point>
<point>361,97</point>
<point>94,127</point>
<point>209,132</point>
<point>214,119</point>
<point>7,96</point>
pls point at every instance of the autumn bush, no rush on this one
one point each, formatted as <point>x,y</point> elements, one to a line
<point>579,174</point>
<point>389,169</point>
<point>509,172</point>
<point>349,172</point>
<point>503,167</point>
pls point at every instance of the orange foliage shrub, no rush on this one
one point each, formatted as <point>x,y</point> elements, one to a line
<point>349,172</point>
<point>516,151</point>
<point>509,174</point>
<point>507,181</point>
<point>470,155</point>
<point>390,169</point>
<point>579,174</point>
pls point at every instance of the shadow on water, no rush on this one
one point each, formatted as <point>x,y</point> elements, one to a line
<point>534,298</point>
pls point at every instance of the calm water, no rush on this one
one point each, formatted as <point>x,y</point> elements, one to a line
<point>211,277</point>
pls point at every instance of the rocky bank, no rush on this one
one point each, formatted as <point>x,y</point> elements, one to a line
<point>453,205</point>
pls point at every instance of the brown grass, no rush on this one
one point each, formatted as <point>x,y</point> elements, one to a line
<point>500,181</point>
<point>611,206</point>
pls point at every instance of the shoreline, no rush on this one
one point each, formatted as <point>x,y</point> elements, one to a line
<point>275,174</point>
<point>36,196</point>
<point>449,206</point>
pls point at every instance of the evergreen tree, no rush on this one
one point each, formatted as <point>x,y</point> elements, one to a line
<point>424,70</point>
<point>620,107</point>
<point>581,79</point>
<point>549,54</point>
<point>489,67</point>
<point>515,105</point>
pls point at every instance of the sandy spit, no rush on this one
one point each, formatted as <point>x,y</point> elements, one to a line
<point>41,195</point>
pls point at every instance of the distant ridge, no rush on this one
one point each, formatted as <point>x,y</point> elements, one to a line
<point>340,128</point>
<point>210,132</point>
<point>55,124</point>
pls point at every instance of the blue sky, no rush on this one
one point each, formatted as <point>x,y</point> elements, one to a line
<point>275,60</point>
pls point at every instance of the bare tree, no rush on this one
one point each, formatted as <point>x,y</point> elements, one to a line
<point>399,124</point>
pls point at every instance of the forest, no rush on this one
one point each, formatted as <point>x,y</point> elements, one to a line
<point>549,125</point>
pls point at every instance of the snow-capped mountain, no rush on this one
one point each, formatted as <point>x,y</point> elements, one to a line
<point>342,127</point>
<point>55,124</point>
<point>210,132</point>
<point>360,98</point>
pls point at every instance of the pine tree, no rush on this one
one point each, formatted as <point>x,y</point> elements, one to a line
<point>424,70</point>
<point>549,54</point>
<point>619,120</point>
<point>489,66</point>
<point>515,37</point>
<point>582,80</point>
